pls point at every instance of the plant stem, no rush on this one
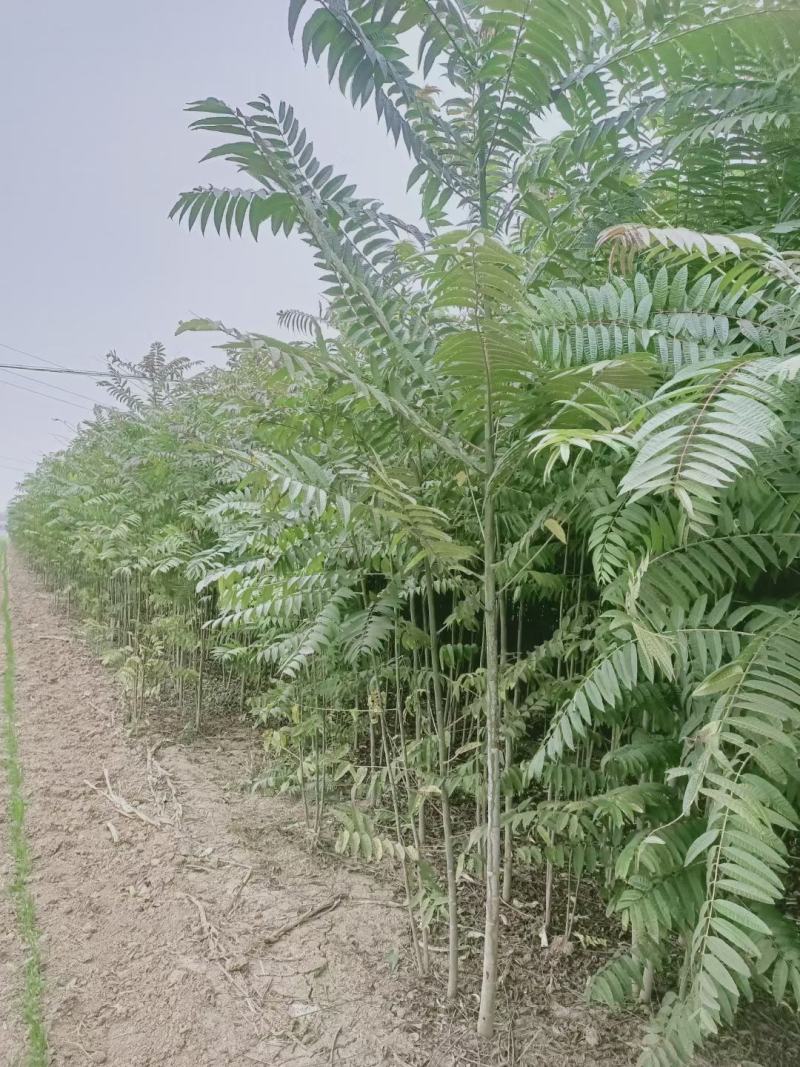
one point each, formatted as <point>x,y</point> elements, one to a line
<point>441,735</point>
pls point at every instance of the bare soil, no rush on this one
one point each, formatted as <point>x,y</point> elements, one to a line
<point>161,883</point>
<point>155,934</point>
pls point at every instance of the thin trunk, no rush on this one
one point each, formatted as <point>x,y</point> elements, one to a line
<point>548,896</point>
<point>399,834</point>
<point>425,957</point>
<point>418,731</point>
<point>646,990</point>
<point>199,701</point>
<point>302,776</point>
<point>447,829</point>
<point>321,778</point>
<point>372,753</point>
<point>508,842</point>
<point>493,836</point>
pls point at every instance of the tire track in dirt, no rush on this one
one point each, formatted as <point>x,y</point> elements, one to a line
<point>155,937</point>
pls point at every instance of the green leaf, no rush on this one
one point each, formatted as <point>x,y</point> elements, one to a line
<point>721,680</point>
<point>700,845</point>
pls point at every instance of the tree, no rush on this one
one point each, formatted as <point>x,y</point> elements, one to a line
<point>515,401</point>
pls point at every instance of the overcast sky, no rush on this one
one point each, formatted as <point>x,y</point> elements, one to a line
<point>95,151</point>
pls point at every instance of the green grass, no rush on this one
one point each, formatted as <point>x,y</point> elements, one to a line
<point>20,850</point>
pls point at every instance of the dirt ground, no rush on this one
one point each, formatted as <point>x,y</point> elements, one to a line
<point>155,935</point>
<point>162,887</point>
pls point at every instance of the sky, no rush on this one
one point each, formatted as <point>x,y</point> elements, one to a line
<point>95,152</point>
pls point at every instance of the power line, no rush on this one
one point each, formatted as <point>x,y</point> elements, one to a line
<point>63,370</point>
<point>54,368</point>
<point>58,388</point>
<point>47,396</point>
<point>30,355</point>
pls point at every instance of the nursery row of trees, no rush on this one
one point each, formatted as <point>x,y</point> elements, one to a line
<point>503,540</point>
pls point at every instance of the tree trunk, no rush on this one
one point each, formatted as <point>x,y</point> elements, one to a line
<point>492,927</point>
<point>441,734</point>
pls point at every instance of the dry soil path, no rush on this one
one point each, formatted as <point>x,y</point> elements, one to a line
<point>156,930</point>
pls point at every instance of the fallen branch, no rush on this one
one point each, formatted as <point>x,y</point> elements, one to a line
<point>242,992</point>
<point>239,889</point>
<point>377,902</point>
<point>210,932</point>
<point>217,955</point>
<point>124,807</point>
<point>307,916</point>
<point>333,1045</point>
<point>154,768</point>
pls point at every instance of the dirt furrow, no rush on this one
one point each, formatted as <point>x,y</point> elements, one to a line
<point>156,933</point>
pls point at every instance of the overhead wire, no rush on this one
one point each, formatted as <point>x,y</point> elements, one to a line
<point>80,371</point>
<point>53,367</point>
<point>47,396</point>
<point>58,368</point>
<point>57,388</point>
<point>32,355</point>
<point>64,370</point>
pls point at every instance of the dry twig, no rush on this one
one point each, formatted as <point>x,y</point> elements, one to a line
<point>238,890</point>
<point>210,932</point>
<point>307,916</point>
<point>333,1045</point>
<point>156,770</point>
<point>123,806</point>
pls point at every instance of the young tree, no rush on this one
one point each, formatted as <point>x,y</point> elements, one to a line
<point>514,400</point>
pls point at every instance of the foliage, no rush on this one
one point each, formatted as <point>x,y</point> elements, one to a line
<point>511,525</point>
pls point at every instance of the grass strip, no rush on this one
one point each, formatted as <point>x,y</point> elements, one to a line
<point>20,850</point>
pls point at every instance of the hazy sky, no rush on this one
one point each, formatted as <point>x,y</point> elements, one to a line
<point>95,151</point>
